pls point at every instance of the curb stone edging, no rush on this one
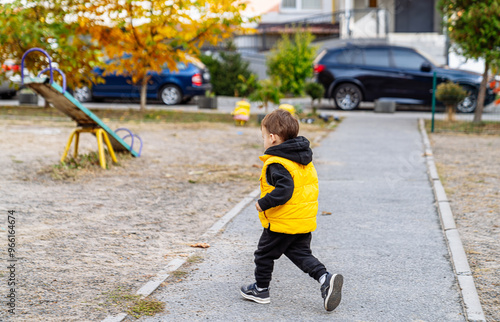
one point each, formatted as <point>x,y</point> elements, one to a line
<point>472,306</point>
<point>174,264</point>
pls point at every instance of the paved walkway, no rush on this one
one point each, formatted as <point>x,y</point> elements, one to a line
<point>383,235</point>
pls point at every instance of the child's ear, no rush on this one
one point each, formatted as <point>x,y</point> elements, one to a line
<point>276,139</point>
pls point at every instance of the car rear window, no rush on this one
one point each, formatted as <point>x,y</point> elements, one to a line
<point>378,57</point>
<point>407,59</point>
<point>344,57</point>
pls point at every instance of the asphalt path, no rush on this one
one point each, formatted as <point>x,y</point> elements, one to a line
<point>377,225</point>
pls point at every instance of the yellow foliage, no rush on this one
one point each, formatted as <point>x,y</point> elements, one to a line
<point>158,33</point>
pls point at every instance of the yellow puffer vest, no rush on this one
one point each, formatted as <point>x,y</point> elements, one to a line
<point>298,215</point>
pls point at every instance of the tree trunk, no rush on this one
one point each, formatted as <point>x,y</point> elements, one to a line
<point>478,114</point>
<point>144,87</point>
<point>450,109</point>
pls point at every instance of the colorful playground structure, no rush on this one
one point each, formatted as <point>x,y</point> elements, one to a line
<point>288,107</point>
<point>241,112</point>
<point>87,122</point>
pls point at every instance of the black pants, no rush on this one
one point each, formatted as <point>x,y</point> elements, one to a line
<point>296,247</point>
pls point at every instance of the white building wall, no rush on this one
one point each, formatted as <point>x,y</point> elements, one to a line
<point>284,14</point>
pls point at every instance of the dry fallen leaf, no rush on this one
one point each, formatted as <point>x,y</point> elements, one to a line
<point>326,213</point>
<point>200,245</point>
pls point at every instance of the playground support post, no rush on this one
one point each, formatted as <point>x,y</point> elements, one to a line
<point>100,134</point>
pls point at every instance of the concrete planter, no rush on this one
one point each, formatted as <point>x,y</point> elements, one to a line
<point>260,117</point>
<point>28,98</point>
<point>207,102</point>
<point>385,106</point>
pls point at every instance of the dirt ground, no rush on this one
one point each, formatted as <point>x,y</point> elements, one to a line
<point>96,231</point>
<point>469,167</point>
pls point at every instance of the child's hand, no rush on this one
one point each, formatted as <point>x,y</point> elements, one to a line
<point>257,206</point>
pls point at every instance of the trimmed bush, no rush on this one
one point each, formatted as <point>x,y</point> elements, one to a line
<point>450,94</point>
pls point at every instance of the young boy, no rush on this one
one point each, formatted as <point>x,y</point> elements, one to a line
<point>287,208</point>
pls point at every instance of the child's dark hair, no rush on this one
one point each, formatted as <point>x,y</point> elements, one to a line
<point>281,123</point>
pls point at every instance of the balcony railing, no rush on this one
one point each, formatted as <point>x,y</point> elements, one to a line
<point>355,23</point>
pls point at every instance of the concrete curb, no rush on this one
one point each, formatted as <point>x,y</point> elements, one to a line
<point>472,305</point>
<point>174,264</point>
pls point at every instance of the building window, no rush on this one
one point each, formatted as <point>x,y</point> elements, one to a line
<point>301,4</point>
<point>289,4</point>
<point>311,4</point>
<point>372,4</point>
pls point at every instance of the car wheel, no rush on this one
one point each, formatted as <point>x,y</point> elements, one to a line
<point>468,105</point>
<point>170,95</point>
<point>8,96</point>
<point>347,96</point>
<point>83,94</point>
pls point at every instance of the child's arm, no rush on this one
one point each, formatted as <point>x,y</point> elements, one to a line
<point>282,180</point>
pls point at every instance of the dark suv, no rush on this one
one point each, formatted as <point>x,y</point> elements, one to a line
<point>355,73</point>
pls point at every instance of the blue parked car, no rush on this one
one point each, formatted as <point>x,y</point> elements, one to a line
<point>169,87</point>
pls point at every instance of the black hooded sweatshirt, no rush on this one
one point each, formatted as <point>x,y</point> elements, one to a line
<point>296,150</point>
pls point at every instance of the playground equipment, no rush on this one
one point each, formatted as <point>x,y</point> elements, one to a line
<point>241,112</point>
<point>288,107</point>
<point>87,122</point>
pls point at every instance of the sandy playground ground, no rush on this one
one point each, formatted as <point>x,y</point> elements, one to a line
<point>82,234</point>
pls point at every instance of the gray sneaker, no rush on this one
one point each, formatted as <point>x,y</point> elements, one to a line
<point>250,292</point>
<point>331,291</point>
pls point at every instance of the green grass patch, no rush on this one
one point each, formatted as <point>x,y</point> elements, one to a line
<point>467,127</point>
<point>195,259</point>
<point>83,163</point>
<point>164,116</point>
<point>128,115</point>
<point>179,274</point>
<point>133,304</point>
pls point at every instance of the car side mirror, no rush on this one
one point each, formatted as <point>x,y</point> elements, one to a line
<point>425,67</point>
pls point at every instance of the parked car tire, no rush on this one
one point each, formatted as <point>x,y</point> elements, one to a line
<point>83,94</point>
<point>7,96</point>
<point>170,95</point>
<point>347,96</point>
<point>468,105</point>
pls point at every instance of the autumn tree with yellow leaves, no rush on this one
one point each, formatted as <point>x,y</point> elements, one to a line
<point>138,37</point>
<point>35,23</point>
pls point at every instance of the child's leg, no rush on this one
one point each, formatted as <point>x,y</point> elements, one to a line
<point>271,246</point>
<point>301,255</point>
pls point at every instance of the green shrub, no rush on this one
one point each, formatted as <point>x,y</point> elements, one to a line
<point>450,94</point>
<point>291,62</point>
<point>267,91</point>
<point>246,86</point>
<point>316,92</point>
<point>225,69</point>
